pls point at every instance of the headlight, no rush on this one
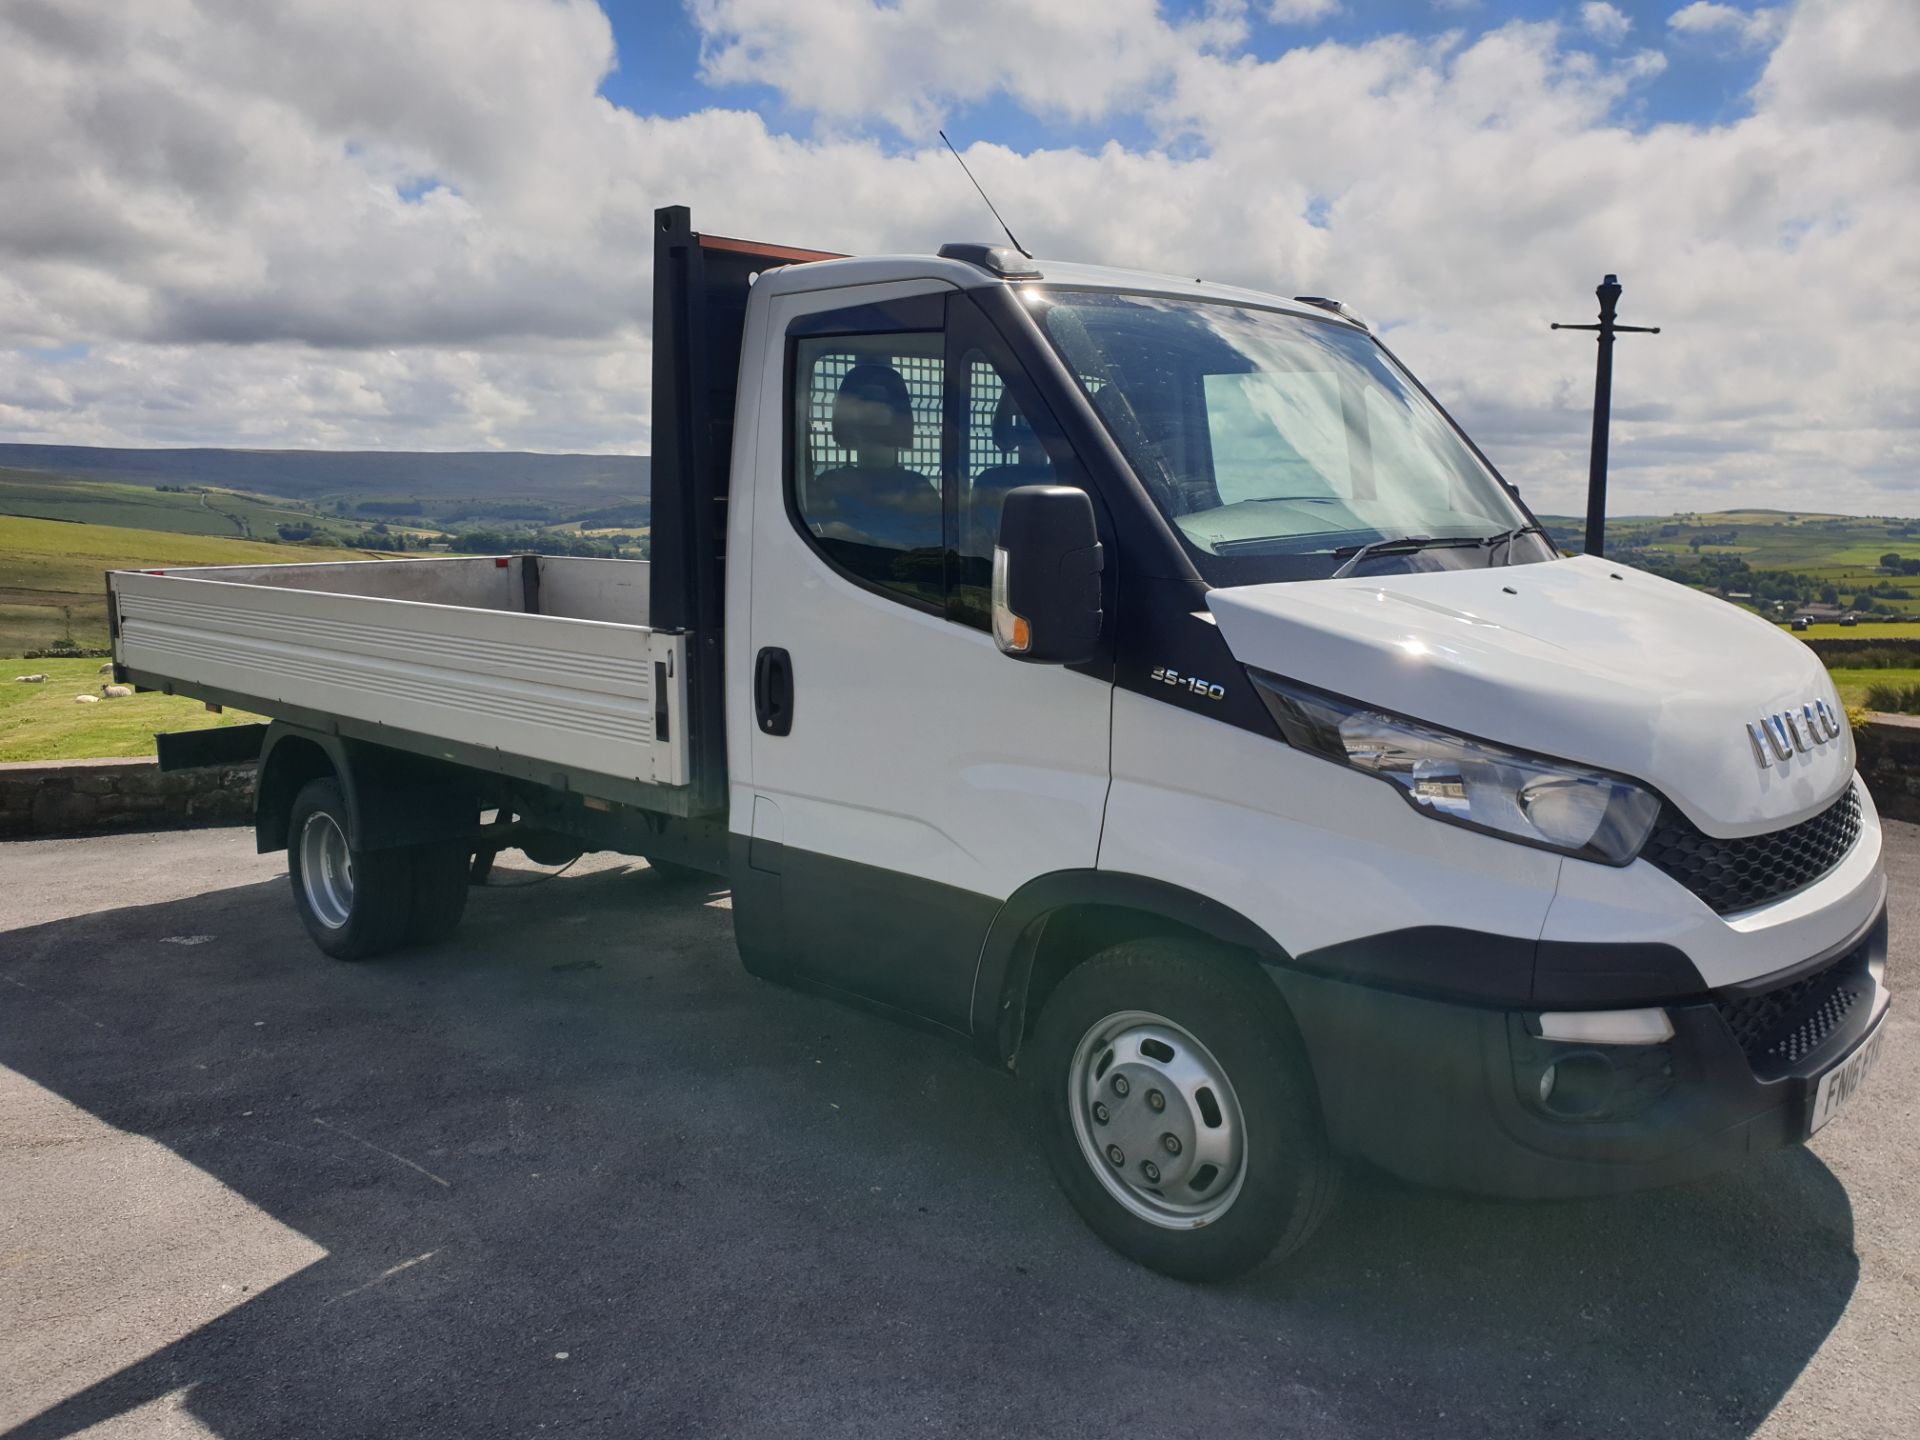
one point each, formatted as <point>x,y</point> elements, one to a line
<point>1529,798</point>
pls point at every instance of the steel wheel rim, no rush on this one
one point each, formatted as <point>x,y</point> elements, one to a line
<point>1172,1145</point>
<point>326,870</point>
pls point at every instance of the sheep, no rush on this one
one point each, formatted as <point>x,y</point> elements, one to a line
<point>30,679</point>
<point>86,699</point>
<point>106,669</point>
<point>116,692</point>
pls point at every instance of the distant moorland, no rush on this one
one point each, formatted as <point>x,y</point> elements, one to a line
<point>562,482</point>
<point>558,504</point>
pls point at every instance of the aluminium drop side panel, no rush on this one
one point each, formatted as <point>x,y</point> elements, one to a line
<point>579,694</point>
<point>478,582</point>
<point>574,586</point>
<point>592,588</point>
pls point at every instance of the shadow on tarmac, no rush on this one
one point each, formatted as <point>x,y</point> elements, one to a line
<point>742,1210</point>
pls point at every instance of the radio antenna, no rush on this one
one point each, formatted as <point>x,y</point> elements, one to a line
<point>984,196</point>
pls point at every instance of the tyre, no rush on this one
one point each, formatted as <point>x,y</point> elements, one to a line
<point>441,875</point>
<point>355,904</point>
<point>1178,1111</point>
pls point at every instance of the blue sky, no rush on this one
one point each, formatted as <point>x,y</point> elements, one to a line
<point>1704,83</point>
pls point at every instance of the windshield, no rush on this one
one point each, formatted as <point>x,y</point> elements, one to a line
<point>1277,444</point>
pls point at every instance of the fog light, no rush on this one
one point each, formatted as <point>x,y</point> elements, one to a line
<point>1582,1084</point>
<point>1577,1086</point>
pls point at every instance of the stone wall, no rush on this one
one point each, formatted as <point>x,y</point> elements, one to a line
<point>1889,751</point>
<point>73,797</point>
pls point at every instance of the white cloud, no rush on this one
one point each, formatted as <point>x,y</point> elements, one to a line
<point>1605,22</point>
<point>1751,29</point>
<point>1301,12</point>
<point>1843,62</point>
<point>908,63</point>
<point>201,209</point>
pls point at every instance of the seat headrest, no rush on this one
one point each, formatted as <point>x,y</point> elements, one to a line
<point>1011,430</point>
<point>873,409</point>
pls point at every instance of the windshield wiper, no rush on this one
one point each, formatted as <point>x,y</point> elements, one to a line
<point>1509,536</point>
<point>1397,545</point>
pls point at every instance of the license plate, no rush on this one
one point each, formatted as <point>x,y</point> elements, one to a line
<point>1840,1084</point>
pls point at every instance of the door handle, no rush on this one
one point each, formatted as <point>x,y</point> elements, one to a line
<point>773,690</point>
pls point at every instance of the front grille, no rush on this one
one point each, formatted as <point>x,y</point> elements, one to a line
<point>1739,874</point>
<point>1780,1028</point>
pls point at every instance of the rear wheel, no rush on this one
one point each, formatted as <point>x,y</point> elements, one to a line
<point>355,904</point>
<point>1178,1111</point>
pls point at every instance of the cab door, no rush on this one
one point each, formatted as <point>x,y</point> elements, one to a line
<point>906,776</point>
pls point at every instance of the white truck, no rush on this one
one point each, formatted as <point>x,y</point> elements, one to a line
<point>1144,682</point>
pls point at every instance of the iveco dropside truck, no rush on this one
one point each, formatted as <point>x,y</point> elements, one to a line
<point>1143,681</point>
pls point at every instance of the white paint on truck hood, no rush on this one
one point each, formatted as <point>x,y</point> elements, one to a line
<point>1631,674</point>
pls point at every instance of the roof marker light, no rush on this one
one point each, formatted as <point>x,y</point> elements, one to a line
<point>1002,260</point>
<point>1335,307</point>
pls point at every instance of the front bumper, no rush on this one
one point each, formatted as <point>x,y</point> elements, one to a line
<point>1450,1095</point>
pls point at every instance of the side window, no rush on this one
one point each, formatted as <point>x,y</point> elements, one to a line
<point>868,419</point>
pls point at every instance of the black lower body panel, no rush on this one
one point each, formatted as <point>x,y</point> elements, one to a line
<point>1452,1095</point>
<point>909,944</point>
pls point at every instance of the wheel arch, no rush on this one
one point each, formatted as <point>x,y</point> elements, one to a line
<point>393,797</point>
<point>290,757</point>
<point>1054,922</point>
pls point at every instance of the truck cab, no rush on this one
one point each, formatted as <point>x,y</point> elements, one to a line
<point>1146,683</point>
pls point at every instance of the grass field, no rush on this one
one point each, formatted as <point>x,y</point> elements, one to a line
<point>1891,630</point>
<point>44,722</point>
<point>1839,550</point>
<point>1816,546</point>
<point>1853,683</point>
<point>52,575</point>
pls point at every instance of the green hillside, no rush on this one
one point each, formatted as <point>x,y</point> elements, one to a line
<point>52,573</point>
<point>198,511</point>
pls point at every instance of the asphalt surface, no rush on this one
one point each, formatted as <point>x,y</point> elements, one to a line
<point>576,1173</point>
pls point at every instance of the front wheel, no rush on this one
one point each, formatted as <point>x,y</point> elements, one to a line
<point>1178,1111</point>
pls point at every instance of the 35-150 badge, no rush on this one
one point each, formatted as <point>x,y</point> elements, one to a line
<point>1205,689</point>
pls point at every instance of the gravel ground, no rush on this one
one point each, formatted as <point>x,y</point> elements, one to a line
<point>575,1172</point>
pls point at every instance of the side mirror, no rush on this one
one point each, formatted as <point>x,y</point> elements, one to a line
<point>1046,576</point>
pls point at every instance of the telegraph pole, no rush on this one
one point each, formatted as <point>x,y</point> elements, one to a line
<point>1609,292</point>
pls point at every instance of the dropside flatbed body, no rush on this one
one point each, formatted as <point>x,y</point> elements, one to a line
<point>533,666</point>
